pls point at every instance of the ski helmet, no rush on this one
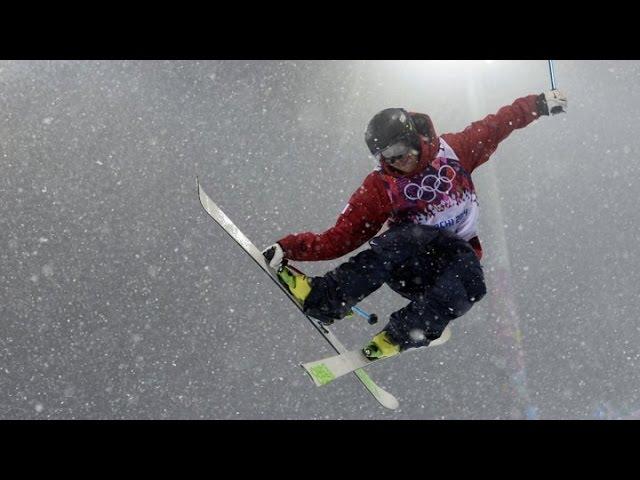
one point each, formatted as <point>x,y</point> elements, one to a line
<point>390,127</point>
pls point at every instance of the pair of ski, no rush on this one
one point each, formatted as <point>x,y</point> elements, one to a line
<point>321,371</point>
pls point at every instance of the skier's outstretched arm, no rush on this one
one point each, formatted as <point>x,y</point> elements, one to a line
<point>476,143</point>
<point>367,210</point>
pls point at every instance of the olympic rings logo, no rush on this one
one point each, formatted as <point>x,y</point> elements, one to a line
<point>431,185</point>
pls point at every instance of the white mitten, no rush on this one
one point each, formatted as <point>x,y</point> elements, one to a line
<point>556,101</point>
<point>274,255</point>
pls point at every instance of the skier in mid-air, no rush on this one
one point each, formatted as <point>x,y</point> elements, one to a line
<point>430,254</point>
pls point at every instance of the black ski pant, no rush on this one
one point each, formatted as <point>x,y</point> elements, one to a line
<point>437,271</point>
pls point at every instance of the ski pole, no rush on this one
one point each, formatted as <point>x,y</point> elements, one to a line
<point>552,74</point>
<point>371,318</point>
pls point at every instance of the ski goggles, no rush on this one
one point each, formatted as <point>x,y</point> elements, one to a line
<point>394,153</point>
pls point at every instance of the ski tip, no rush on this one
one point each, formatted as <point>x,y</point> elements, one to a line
<point>382,396</point>
<point>446,334</point>
<point>444,338</point>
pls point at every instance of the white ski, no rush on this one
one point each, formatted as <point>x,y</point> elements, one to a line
<point>383,397</point>
<point>328,369</point>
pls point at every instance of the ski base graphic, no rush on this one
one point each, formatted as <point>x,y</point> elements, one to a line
<point>328,369</point>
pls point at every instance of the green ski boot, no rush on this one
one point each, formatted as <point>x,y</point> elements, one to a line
<point>297,283</point>
<point>381,347</point>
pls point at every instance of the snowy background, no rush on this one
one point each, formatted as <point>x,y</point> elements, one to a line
<point>121,299</point>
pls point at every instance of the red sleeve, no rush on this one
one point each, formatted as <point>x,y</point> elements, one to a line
<point>367,210</point>
<point>476,143</point>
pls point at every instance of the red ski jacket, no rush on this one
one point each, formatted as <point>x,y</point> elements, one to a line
<point>376,200</point>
